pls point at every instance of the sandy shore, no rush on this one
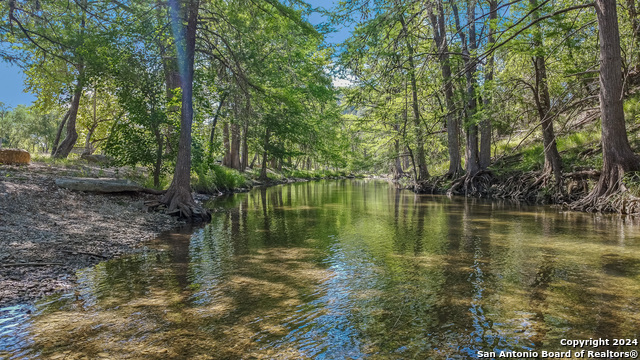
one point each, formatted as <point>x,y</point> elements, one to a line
<point>48,233</point>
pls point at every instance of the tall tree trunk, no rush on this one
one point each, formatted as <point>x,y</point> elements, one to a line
<point>485,124</point>
<point>616,152</point>
<point>473,156</point>
<point>226,159</point>
<point>215,121</point>
<point>253,161</point>
<point>235,146</point>
<point>157,168</point>
<point>472,161</point>
<point>396,169</point>
<point>178,196</point>
<point>552,160</point>
<point>63,150</point>
<point>56,142</point>
<point>453,124</point>
<point>88,146</point>
<point>423,172</point>
<point>263,171</point>
<point>170,67</point>
<point>245,147</point>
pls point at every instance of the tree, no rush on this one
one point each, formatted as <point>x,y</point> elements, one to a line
<point>469,47</point>
<point>617,155</point>
<point>552,160</point>
<point>485,124</point>
<point>439,30</point>
<point>55,34</point>
<point>178,196</point>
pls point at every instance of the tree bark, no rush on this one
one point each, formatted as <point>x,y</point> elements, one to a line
<point>472,161</point>
<point>552,159</point>
<point>226,159</point>
<point>56,142</point>
<point>453,124</point>
<point>253,161</point>
<point>396,169</point>
<point>485,125</point>
<point>215,121</point>
<point>263,171</point>
<point>245,147</point>
<point>616,152</point>
<point>235,146</point>
<point>178,196</point>
<point>423,172</point>
<point>157,168</point>
<point>63,150</point>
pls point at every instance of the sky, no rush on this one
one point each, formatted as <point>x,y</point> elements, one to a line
<point>12,86</point>
<point>12,91</point>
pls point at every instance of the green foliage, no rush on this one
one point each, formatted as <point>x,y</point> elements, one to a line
<point>48,159</point>
<point>212,179</point>
<point>274,73</point>
<point>25,127</point>
<point>139,136</point>
<point>632,182</point>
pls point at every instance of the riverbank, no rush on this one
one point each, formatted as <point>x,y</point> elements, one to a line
<point>49,233</point>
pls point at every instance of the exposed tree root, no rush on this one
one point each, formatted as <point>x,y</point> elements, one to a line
<point>532,186</point>
<point>621,202</point>
<point>433,185</point>
<point>609,195</point>
<point>180,203</point>
<point>540,187</point>
<point>476,185</point>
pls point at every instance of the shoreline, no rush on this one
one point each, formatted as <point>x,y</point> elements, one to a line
<point>50,233</point>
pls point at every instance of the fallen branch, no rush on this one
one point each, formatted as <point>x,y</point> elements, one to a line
<point>102,185</point>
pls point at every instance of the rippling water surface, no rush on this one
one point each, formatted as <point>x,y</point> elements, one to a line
<point>348,270</point>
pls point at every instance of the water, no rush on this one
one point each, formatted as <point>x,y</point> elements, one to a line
<point>349,270</point>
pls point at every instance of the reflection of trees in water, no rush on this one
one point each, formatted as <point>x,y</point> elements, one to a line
<point>377,271</point>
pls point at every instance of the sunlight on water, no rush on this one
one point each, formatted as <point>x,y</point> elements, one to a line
<point>348,270</point>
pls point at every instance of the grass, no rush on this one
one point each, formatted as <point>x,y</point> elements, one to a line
<point>632,182</point>
<point>72,160</point>
<point>216,178</point>
<point>205,179</point>
<point>574,151</point>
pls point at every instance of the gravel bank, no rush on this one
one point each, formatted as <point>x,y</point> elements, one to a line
<point>47,233</point>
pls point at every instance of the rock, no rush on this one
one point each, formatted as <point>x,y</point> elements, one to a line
<point>14,156</point>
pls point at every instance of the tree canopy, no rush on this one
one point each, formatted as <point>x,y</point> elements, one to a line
<point>437,89</point>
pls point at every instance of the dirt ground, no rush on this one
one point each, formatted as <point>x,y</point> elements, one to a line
<point>48,233</point>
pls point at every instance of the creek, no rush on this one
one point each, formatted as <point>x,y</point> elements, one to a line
<point>349,269</point>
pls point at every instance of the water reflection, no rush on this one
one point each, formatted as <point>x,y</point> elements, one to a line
<point>348,269</point>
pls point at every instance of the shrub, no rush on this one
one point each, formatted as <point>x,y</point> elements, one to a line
<point>210,179</point>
